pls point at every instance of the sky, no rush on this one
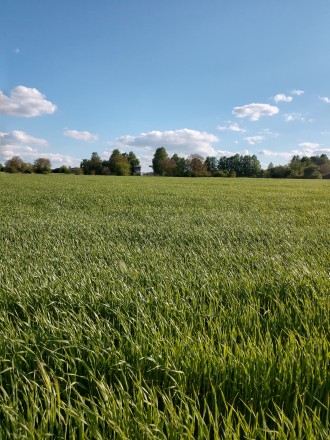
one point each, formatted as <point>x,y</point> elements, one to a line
<point>209,77</point>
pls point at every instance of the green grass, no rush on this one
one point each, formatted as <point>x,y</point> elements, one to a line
<point>164,308</point>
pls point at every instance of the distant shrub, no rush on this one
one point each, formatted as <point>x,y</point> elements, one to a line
<point>220,173</point>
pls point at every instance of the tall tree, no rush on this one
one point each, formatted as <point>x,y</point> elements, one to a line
<point>296,167</point>
<point>133,160</point>
<point>95,164</point>
<point>119,164</point>
<point>181,165</point>
<point>211,163</point>
<point>158,160</point>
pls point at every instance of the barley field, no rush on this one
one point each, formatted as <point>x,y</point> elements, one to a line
<point>164,308</point>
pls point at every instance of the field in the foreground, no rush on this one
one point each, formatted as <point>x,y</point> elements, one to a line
<point>159,308</point>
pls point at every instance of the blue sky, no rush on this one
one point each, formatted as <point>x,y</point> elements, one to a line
<point>211,77</point>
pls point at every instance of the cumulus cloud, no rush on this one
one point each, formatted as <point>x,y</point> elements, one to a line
<point>85,136</point>
<point>282,98</point>
<point>325,99</point>
<point>232,126</point>
<point>252,140</point>
<point>21,138</point>
<point>297,92</point>
<point>255,111</point>
<point>29,148</point>
<point>26,102</point>
<point>183,141</point>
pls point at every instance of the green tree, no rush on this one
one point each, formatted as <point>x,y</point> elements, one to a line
<point>92,165</point>
<point>119,164</point>
<point>84,165</point>
<point>15,165</point>
<point>158,161</point>
<point>133,160</point>
<point>312,172</point>
<point>296,167</point>
<point>251,166</point>
<point>325,170</point>
<point>280,172</point>
<point>169,167</point>
<point>197,166</point>
<point>28,168</point>
<point>42,166</point>
<point>95,164</point>
<point>211,163</point>
<point>270,170</point>
<point>181,165</point>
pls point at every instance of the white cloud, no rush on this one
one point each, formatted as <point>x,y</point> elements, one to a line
<point>232,126</point>
<point>255,111</point>
<point>19,143</point>
<point>282,98</point>
<point>58,159</point>
<point>254,139</point>
<point>269,153</point>
<point>81,135</point>
<point>305,149</point>
<point>21,138</point>
<point>182,142</point>
<point>297,92</point>
<point>289,117</point>
<point>270,133</point>
<point>309,145</point>
<point>26,102</point>
<point>325,99</point>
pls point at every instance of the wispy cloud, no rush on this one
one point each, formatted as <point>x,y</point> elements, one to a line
<point>289,117</point>
<point>282,154</point>
<point>85,136</point>
<point>309,145</point>
<point>25,102</point>
<point>232,126</point>
<point>282,98</point>
<point>325,99</point>
<point>268,132</point>
<point>297,92</point>
<point>255,111</point>
<point>252,140</point>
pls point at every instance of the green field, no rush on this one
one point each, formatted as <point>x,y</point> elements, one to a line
<point>164,308</point>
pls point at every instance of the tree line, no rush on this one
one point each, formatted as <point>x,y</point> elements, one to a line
<point>17,165</point>
<point>195,165</point>
<point>314,167</point>
<point>119,164</point>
